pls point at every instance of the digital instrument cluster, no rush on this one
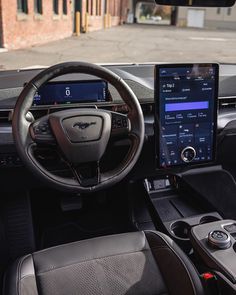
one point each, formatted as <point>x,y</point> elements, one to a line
<point>56,93</point>
<point>186,113</point>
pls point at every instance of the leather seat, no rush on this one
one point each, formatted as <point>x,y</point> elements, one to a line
<point>134,263</point>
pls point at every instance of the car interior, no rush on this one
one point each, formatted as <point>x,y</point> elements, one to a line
<point>118,178</point>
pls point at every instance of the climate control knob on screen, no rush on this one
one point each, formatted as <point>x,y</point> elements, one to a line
<point>188,154</point>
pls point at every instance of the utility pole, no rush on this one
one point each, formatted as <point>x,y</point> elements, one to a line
<point>174,15</point>
<point>134,11</point>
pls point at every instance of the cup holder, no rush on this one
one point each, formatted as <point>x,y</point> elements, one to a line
<point>180,229</point>
<point>208,219</point>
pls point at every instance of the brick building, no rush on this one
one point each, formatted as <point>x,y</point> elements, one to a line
<point>25,23</point>
<point>97,14</point>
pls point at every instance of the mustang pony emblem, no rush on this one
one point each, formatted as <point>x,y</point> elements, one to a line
<point>83,125</point>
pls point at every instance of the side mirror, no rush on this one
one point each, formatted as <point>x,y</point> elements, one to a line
<point>197,3</point>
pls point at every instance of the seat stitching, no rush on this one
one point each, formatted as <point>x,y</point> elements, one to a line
<point>84,241</point>
<point>95,259</point>
<point>98,281</point>
<point>19,265</point>
<point>27,276</point>
<point>17,278</point>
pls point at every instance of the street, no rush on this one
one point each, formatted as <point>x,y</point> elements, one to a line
<point>130,43</point>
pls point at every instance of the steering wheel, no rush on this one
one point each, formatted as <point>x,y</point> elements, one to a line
<point>81,134</point>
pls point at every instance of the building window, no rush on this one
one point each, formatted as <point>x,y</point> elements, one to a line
<point>218,10</point>
<point>87,6</point>
<point>229,11</point>
<point>114,8</point>
<point>98,7</point>
<point>91,7</point>
<point>64,6</point>
<point>22,6</point>
<point>105,6</point>
<point>38,7</point>
<point>55,7</point>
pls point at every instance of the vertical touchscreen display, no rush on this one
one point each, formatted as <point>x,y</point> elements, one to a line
<point>186,113</point>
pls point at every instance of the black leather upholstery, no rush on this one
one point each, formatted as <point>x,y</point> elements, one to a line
<point>133,263</point>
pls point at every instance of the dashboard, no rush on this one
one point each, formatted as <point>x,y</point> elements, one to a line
<point>214,141</point>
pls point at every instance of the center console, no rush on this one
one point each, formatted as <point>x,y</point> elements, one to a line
<point>202,234</point>
<point>215,243</point>
<point>183,199</point>
<point>175,211</point>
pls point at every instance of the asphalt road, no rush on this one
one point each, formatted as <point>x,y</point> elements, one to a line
<point>130,43</point>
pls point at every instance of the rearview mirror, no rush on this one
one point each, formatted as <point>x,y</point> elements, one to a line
<point>197,3</point>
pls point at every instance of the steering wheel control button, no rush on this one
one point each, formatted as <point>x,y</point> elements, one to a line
<point>42,129</point>
<point>219,239</point>
<point>125,122</point>
<point>188,154</point>
<point>119,121</point>
<point>119,124</point>
<point>41,132</point>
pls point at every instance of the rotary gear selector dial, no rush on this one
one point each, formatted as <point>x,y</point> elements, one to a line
<point>219,239</point>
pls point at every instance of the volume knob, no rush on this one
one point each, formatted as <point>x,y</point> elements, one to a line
<point>188,154</point>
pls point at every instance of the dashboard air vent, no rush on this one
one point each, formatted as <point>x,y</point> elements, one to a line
<point>227,103</point>
<point>148,109</point>
<point>6,115</point>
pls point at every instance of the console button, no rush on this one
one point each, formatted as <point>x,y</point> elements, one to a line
<point>188,154</point>
<point>9,160</point>
<point>219,239</point>
<point>231,228</point>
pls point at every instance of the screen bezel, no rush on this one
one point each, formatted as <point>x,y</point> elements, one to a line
<point>157,115</point>
<point>108,96</point>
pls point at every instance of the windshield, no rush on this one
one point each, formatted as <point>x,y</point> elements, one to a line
<point>42,33</point>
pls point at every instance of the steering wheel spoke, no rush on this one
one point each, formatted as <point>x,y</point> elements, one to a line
<point>41,132</point>
<point>87,175</point>
<point>120,125</point>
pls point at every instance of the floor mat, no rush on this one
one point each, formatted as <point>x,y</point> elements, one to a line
<point>100,215</point>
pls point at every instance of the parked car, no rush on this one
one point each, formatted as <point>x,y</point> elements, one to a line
<point>156,18</point>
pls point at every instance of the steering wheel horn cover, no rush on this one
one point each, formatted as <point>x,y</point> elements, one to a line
<point>64,128</point>
<point>82,135</point>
